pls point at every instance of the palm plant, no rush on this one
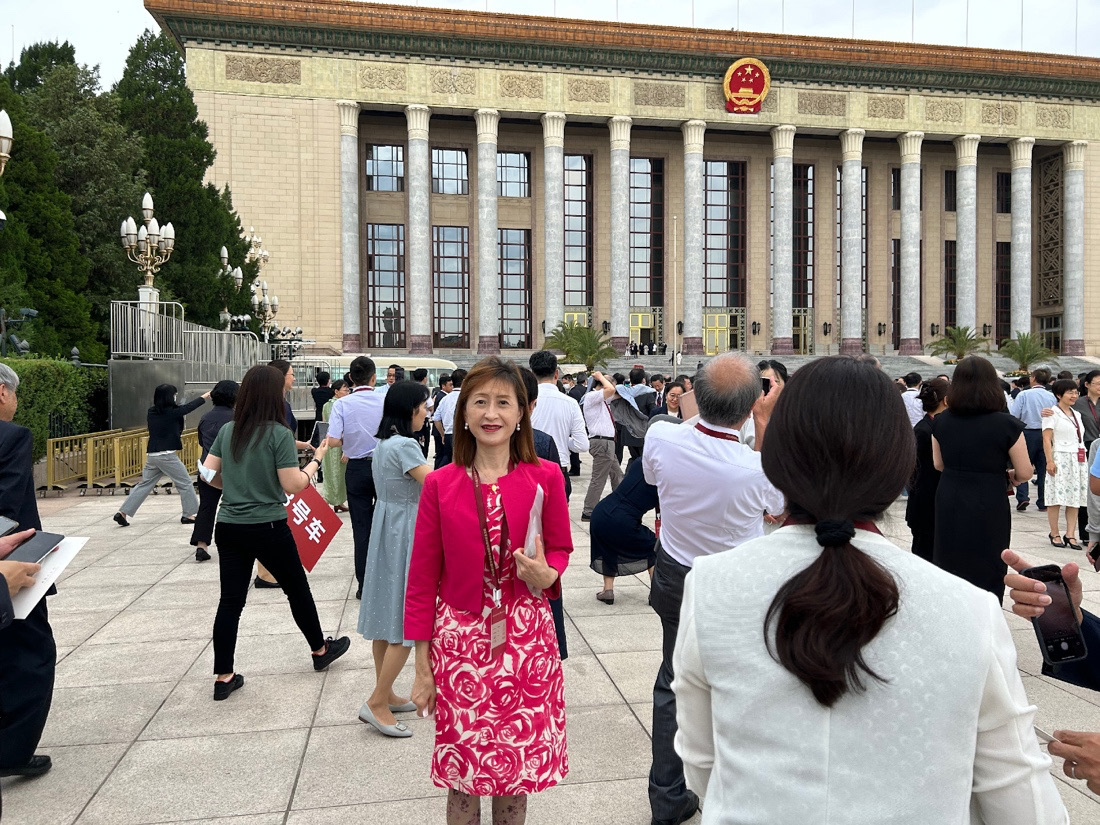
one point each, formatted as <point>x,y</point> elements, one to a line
<point>581,344</point>
<point>1026,349</point>
<point>958,342</point>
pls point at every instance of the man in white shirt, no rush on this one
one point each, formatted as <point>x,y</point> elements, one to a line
<point>353,426</point>
<point>713,495</point>
<point>601,441</point>
<point>912,403</point>
<point>394,373</point>
<point>557,414</point>
<point>444,419</point>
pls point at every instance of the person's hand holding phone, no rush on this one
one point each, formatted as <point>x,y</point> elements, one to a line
<point>1029,597</point>
<point>1082,754</point>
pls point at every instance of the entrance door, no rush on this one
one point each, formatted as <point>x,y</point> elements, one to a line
<point>641,328</point>
<point>578,318</point>
<point>716,333</point>
<point>803,331</point>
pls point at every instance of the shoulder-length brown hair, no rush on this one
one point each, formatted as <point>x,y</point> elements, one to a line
<point>484,372</point>
<point>259,403</point>
<point>975,388</point>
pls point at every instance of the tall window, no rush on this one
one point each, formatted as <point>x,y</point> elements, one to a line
<point>950,185</point>
<point>385,285</point>
<point>578,231</point>
<point>862,235</point>
<point>450,172</point>
<point>724,248</point>
<point>515,288</point>
<point>895,188</point>
<point>513,174</point>
<point>385,169</point>
<point>895,293</point>
<point>1004,193</point>
<point>451,285</point>
<point>950,281</point>
<point>1002,279</point>
<point>647,232</point>
<point>802,286</point>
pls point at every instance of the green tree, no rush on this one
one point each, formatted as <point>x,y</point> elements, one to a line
<point>36,61</point>
<point>40,261</point>
<point>581,344</point>
<point>1026,349</point>
<point>958,342</point>
<point>99,168</point>
<point>155,104</point>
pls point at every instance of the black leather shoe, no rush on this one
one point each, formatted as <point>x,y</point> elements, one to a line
<point>683,816</point>
<point>121,520</point>
<point>260,584</point>
<point>585,518</point>
<point>201,555</point>
<point>38,765</point>
<point>334,649</point>
<point>223,689</point>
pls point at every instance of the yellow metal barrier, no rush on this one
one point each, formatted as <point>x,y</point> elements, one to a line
<point>191,451</point>
<point>67,459</point>
<point>103,461</point>
<point>129,457</point>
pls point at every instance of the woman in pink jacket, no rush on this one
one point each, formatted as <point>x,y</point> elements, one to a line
<point>487,657</point>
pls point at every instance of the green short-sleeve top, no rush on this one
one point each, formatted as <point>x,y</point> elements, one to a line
<point>251,492</point>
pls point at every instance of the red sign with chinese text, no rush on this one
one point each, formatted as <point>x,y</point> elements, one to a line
<point>745,86</point>
<point>313,524</point>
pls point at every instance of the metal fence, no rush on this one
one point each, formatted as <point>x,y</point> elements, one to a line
<point>67,459</point>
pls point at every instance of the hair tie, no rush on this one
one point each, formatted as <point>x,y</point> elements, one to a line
<point>834,533</point>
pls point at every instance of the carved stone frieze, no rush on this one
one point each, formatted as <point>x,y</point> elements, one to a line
<point>825,104</point>
<point>1053,117</point>
<point>263,69</point>
<point>589,90</point>
<point>663,95</point>
<point>715,98</point>
<point>771,102</point>
<point>453,81</point>
<point>522,84</point>
<point>944,111</point>
<point>385,78</point>
<point>1001,114</point>
<point>886,107</point>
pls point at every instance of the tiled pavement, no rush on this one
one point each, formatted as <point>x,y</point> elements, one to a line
<point>136,739</point>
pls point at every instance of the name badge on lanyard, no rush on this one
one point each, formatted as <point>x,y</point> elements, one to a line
<point>498,619</point>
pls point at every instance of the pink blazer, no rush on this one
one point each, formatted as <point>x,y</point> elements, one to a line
<point>448,554</point>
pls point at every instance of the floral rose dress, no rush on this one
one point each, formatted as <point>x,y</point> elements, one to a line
<point>500,722</point>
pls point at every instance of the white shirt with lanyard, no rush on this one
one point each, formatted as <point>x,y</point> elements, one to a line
<point>1063,442</point>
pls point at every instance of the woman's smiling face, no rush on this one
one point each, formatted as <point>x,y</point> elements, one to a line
<point>492,413</point>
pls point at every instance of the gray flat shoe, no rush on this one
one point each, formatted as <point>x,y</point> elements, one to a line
<point>408,707</point>
<point>398,731</point>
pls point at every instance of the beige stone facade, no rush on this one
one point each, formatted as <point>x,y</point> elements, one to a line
<point>273,118</point>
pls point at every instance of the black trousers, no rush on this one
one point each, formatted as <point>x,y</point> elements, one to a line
<point>208,509</point>
<point>423,439</point>
<point>359,480</point>
<point>668,792</point>
<point>574,463</point>
<point>444,451</point>
<point>924,538</point>
<point>28,657</point>
<point>239,546</point>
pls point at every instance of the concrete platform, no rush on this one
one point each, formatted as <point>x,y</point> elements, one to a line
<point>136,739</point>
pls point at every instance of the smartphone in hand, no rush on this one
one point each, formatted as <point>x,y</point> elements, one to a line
<point>1094,557</point>
<point>1058,631</point>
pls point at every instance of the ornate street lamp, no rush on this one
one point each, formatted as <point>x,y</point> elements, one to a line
<point>149,246</point>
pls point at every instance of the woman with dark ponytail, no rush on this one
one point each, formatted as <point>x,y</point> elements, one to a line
<point>822,662</point>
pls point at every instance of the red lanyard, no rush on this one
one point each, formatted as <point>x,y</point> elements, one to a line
<point>1076,426</point>
<point>1092,409</point>
<point>496,567</point>
<point>717,434</point>
<point>363,389</point>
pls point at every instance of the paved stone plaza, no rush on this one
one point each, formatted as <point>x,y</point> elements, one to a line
<point>135,737</point>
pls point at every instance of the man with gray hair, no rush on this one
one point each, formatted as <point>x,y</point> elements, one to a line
<point>28,652</point>
<point>713,495</point>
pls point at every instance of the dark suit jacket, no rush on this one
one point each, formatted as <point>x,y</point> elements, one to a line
<point>1085,673</point>
<point>6,610</point>
<point>17,499</point>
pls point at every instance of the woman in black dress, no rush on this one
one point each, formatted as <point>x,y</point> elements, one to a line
<point>973,442</point>
<point>920,509</point>
<point>621,544</point>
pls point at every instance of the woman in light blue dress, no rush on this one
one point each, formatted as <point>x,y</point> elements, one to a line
<point>399,471</point>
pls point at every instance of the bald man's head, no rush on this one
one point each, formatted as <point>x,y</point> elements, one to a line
<point>726,388</point>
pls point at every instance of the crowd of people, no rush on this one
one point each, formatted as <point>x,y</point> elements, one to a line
<point>817,625</point>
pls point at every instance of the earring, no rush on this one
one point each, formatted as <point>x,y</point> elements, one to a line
<point>466,426</point>
<point>517,427</point>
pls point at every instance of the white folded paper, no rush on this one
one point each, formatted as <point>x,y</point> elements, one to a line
<point>52,566</point>
<point>534,528</point>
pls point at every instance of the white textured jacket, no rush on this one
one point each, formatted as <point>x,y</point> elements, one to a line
<point>947,740</point>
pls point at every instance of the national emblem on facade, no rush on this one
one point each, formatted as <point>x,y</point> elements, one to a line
<point>746,85</point>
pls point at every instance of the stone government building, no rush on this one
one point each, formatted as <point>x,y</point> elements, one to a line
<point>454,182</point>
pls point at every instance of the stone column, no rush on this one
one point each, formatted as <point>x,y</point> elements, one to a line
<point>966,231</point>
<point>553,218</point>
<point>692,342</point>
<point>418,235</point>
<point>488,250</point>
<point>1073,256</point>
<point>620,232</point>
<point>910,343</point>
<point>1020,277</point>
<point>783,240</point>
<point>851,242</point>
<point>352,340</point>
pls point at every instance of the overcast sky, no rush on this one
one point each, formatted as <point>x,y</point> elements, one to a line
<point>104,30</point>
